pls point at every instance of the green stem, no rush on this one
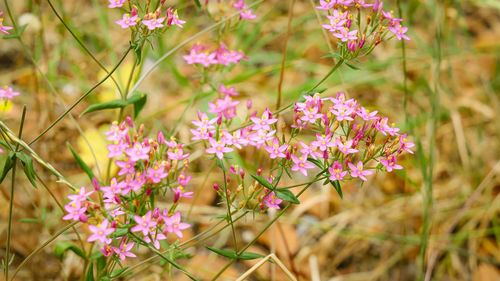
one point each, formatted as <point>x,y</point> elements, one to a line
<point>30,256</point>
<point>83,45</point>
<point>82,97</point>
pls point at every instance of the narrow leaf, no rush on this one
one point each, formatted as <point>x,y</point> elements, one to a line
<point>286,195</point>
<point>105,105</point>
<point>263,181</point>
<point>63,246</point>
<point>336,185</point>
<point>81,163</point>
<point>9,162</point>
<point>29,171</point>
<point>138,100</point>
<point>352,65</point>
<point>117,272</point>
<point>233,254</point>
<point>197,2</point>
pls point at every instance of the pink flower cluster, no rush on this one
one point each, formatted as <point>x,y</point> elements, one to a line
<point>8,93</point>
<point>348,137</point>
<point>3,28</point>
<point>239,5</point>
<point>201,54</point>
<point>346,26</point>
<point>153,20</point>
<point>146,166</point>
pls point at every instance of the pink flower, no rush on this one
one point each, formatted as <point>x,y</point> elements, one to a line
<point>100,232</point>
<point>174,224</point>
<point>301,164</point>
<point>276,151</point>
<point>346,35</point>
<point>124,249</point>
<point>144,224</point>
<point>390,163</point>
<point>126,166</point>
<point>107,250</point>
<point>157,236</point>
<point>405,144</point>
<point>81,196</point>
<point>116,148</point>
<point>154,23</point>
<point>218,148</point>
<point>138,152</point>
<point>272,201</point>
<point>357,171</point>
<point>7,92</point>
<point>180,193</point>
<point>156,173</point>
<point>183,180</point>
<point>127,21</point>
<point>227,91</point>
<point>311,115</point>
<point>310,150</point>
<point>75,211</point>
<point>173,18</point>
<point>264,122</point>
<point>323,142</point>
<point>336,173</point>
<point>117,132</point>
<point>399,31</point>
<point>116,3</point>
<point>177,153</point>
<point>248,14</point>
<point>366,114</point>
<point>345,148</point>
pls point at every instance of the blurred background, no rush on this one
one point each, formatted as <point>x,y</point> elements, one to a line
<point>438,218</point>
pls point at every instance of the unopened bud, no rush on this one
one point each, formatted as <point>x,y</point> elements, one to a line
<point>216,187</point>
<point>259,171</point>
<point>156,213</point>
<point>83,218</point>
<point>249,103</point>
<point>96,184</point>
<point>149,191</point>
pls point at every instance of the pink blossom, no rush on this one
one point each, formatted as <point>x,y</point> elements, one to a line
<point>116,149</point>
<point>100,232</point>
<point>405,144</point>
<point>180,193</point>
<point>309,150</point>
<point>138,152</point>
<point>126,166</point>
<point>154,23</point>
<point>336,173</point>
<point>7,92</point>
<point>177,153</point>
<point>301,164</point>
<point>183,179</point>
<point>81,196</point>
<point>116,3</point>
<point>276,151</point>
<point>357,171</point>
<point>127,21</point>
<point>264,122</point>
<point>174,224</point>
<point>346,35</point>
<point>124,249</point>
<point>156,173</point>
<point>144,224</point>
<point>323,142</point>
<point>76,211</point>
<point>227,91</point>
<point>218,148</point>
<point>366,114</point>
<point>173,18</point>
<point>157,236</point>
<point>390,163</point>
<point>272,201</point>
<point>345,148</point>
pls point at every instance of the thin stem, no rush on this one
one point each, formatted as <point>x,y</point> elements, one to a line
<point>229,215</point>
<point>83,45</point>
<point>176,265</point>
<point>30,256</point>
<point>11,201</point>
<point>82,97</point>
<point>283,59</point>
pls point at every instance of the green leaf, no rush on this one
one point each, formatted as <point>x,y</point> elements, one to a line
<point>29,171</point>
<point>63,246</point>
<point>117,272</point>
<point>220,164</point>
<point>263,181</point>
<point>18,34</point>
<point>218,217</point>
<point>9,163</point>
<point>138,100</point>
<point>333,55</point>
<point>352,65</point>
<point>90,273</point>
<point>310,93</point>
<point>233,254</point>
<point>286,195</point>
<point>336,185</point>
<point>81,163</point>
<point>119,232</point>
<point>316,162</point>
<point>105,105</point>
<point>197,2</point>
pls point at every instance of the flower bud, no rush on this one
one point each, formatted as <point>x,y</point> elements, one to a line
<point>113,224</point>
<point>216,187</point>
<point>156,213</point>
<point>259,171</point>
<point>129,121</point>
<point>83,218</point>
<point>149,191</point>
<point>249,103</point>
<point>96,184</point>
<point>242,174</point>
